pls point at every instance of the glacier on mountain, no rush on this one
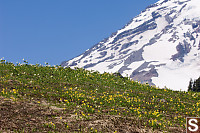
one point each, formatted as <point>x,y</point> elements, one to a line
<point>160,46</point>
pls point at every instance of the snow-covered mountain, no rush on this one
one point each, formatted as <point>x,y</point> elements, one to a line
<point>160,46</point>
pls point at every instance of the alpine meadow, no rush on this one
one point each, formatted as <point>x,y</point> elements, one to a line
<point>36,98</point>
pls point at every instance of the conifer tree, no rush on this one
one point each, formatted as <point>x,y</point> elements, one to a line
<point>190,87</point>
<point>197,89</point>
<point>194,86</point>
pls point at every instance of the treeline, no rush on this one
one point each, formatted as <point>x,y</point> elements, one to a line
<point>194,85</point>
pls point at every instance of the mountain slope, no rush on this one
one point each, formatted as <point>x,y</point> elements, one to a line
<point>35,98</point>
<point>159,46</point>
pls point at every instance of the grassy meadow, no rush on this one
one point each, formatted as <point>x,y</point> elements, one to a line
<point>36,98</point>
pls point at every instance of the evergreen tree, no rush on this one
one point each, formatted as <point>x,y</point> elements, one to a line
<point>197,85</point>
<point>190,87</point>
<point>194,86</point>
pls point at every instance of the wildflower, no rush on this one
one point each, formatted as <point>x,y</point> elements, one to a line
<point>14,90</point>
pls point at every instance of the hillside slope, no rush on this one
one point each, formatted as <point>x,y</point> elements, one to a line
<point>160,46</point>
<point>36,98</point>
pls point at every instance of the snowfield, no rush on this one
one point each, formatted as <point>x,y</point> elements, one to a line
<point>160,46</point>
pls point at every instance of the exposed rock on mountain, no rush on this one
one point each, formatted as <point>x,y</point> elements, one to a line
<point>160,46</point>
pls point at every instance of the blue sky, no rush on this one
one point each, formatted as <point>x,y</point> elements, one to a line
<point>57,30</point>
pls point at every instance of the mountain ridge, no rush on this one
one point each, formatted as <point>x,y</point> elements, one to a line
<point>159,46</point>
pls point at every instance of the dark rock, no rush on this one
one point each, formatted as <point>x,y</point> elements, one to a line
<point>114,64</point>
<point>155,15</point>
<point>164,1</point>
<point>189,35</point>
<point>103,54</point>
<point>182,8</point>
<point>126,45</point>
<point>194,25</point>
<point>168,19</point>
<point>122,69</point>
<point>182,51</point>
<point>85,61</point>
<point>89,65</point>
<point>145,76</point>
<point>124,52</point>
<point>148,25</point>
<point>135,56</point>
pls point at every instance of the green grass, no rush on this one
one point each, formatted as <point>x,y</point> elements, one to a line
<point>57,99</point>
